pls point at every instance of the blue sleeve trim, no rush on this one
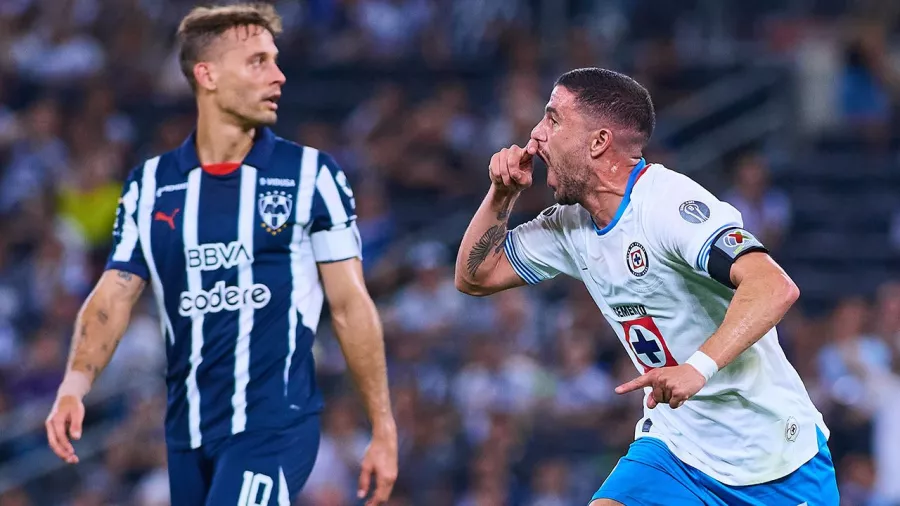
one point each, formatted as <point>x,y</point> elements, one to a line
<point>518,265</point>
<point>703,255</point>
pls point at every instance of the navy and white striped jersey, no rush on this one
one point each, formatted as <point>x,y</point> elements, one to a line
<point>232,261</point>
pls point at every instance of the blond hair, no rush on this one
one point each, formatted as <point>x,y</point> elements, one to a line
<point>203,25</point>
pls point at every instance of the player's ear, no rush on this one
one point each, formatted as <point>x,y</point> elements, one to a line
<point>600,141</point>
<point>205,75</point>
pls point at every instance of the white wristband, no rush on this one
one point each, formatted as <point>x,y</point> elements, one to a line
<point>76,384</point>
<point>704,364</point>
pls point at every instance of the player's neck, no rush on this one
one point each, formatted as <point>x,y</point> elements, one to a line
<point>608,191</point>
<point>220,140</point>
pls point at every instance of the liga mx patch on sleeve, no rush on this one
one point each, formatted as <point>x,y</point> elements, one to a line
<point>735,241</point>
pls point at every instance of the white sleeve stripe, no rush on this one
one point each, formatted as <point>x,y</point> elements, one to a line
<point>307,185</point>
<point>129,239</point>
<point>333,245</point>
<point>703,255</point>
<point>329,191</point>
<point>518,265</point>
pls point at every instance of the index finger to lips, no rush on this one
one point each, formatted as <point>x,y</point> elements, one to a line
<point>504,169</point>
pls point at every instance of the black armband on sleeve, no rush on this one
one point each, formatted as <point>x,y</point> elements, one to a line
<point>728,246</point>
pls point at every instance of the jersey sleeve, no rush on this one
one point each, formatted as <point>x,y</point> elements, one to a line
<point>126,254</point>
<point>333,229</point>
<point>535,249</point>
<point>685,221</point>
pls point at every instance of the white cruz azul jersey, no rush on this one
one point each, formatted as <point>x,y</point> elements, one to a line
<point>647,271</point>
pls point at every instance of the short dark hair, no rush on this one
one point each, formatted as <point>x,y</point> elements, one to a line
<point>203,25</point>
<point>614,97</point>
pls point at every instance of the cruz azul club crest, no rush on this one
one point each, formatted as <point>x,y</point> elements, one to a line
<point>275,209</point>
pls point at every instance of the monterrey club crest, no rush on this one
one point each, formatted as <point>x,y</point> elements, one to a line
<point>647,344</point>
<point>636,259</point>
<point>275,209</point>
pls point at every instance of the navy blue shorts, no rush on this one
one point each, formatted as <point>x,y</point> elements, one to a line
<point>649,475</point>
<point>249,469</point>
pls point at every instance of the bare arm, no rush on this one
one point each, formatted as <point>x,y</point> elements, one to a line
<point>100,325</point>
<point>358,330</point>
<point>763,296</point>
<point>482,267</point>
<point>98,329</point>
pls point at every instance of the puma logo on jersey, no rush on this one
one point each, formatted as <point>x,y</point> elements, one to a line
<point>170,219</point>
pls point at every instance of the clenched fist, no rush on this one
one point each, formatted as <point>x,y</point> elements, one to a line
<point>511,168</point>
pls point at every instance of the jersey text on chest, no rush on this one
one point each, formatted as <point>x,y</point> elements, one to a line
<point>626,310</point>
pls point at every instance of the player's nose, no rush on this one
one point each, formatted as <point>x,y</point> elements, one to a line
<point>538,133</point>
<point>278,78</point>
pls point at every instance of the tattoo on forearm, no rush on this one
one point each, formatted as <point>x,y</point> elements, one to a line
<point>124,282</point>
<point>492,241</point>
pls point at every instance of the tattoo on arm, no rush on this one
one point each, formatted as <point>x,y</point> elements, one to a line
<point>124,281</point>
<point>493,239</point>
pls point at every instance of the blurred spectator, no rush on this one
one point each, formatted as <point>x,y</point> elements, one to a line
<point>852,353</point>
<point>868,82</point>
<point>38,157</point>
<point>55,51</point>
<point>430,305</point>
<point>766,211</point>
<point>15,497</point>
<point>89,200</point>
<point>549,484</point>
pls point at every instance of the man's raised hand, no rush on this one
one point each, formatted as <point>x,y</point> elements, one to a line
<point>511,168</point>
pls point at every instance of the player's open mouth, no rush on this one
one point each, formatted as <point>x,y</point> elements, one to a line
<point>272,101</point>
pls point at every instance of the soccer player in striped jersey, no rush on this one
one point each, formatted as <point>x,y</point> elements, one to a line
<point>239,233</point>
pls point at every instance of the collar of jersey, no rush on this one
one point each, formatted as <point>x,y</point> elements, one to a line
<point>636,173</point>
<point>187,160</point>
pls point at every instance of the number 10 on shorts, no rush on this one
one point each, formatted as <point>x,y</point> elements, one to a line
<point>250,490</point>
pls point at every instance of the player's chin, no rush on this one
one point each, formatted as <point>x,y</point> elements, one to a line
<point>267,118</point>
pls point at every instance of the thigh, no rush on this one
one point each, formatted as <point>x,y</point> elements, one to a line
<point>190,475</point>
<point>650,475</point>
<point>265,468</point>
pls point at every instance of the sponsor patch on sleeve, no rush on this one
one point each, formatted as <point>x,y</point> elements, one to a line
<point>735,241</point>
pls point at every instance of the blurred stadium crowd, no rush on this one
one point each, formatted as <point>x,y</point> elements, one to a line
<point>507,400</point>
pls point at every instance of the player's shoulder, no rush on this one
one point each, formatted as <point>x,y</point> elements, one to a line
<point>660,182</point>
<point>662,191</point>
<point>288,149</point>
<point>564,217</point>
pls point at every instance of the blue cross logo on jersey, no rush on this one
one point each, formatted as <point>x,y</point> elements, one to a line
<point>649,347</point>
<point>645,347</point>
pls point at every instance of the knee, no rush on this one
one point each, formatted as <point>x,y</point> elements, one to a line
<point>605,502</point>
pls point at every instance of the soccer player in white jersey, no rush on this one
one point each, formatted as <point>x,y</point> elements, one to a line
<point>692,296</point>
<point>242,235</point>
